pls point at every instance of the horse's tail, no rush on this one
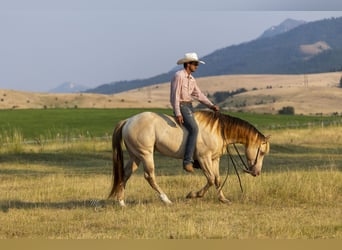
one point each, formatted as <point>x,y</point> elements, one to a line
<point>118,169</point>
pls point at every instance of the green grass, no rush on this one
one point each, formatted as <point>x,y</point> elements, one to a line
<point>51,123</point>
<point>66,122</point>
<point>90,127</point>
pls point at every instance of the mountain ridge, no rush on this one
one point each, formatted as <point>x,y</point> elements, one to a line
<point>285,26</point>
<point>277,54</point>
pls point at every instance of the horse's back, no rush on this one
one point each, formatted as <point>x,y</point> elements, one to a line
<point>153,131</point>
<point>149,120</point>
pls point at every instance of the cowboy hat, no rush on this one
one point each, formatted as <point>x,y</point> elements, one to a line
<point>189,57</point>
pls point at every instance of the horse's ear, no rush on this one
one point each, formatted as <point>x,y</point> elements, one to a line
<point>268,137</point>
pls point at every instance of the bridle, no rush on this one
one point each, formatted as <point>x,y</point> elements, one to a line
<point>245,169</point>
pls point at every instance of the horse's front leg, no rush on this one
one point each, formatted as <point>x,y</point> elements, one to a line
<point>221,196</point>
<point>200,193</point>
<point>206,166</point>
<point>218,185</point>
<point>211,171</point>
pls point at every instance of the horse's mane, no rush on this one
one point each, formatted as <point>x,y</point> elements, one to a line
<point>229,126</point>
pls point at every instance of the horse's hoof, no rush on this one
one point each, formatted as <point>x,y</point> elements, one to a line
<point>191,195</point>
<point>122,203</point>
<point>165,199</point>
<point>225,201</point>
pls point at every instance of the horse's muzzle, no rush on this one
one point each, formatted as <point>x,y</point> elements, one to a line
<point>252,172</point>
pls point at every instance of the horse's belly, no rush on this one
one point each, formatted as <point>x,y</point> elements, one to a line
<point>170,151</point>
<point>171,143</point>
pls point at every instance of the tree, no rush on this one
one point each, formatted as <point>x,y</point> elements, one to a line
<point>287,111</point>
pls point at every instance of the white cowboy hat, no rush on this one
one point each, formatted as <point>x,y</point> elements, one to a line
<point>189,57</point>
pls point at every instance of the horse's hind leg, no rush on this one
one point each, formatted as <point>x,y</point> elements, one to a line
<point>151,179</point>
<point>129,169</point>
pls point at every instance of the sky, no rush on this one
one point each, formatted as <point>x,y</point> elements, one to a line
<point>44,43</point>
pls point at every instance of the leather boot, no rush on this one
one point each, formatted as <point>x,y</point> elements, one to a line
<point>188,167</point>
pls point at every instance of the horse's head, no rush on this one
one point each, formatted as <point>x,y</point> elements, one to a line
<point>255,155</point>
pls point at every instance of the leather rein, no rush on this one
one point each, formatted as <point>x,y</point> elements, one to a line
<point>235,164</point>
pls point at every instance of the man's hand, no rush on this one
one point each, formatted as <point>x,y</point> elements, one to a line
<point>215,108</point>
<point>180,119</point>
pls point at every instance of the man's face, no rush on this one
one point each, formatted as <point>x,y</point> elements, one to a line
<point>193,66</point>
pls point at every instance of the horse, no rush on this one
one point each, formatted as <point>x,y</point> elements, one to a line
<point>146,132</point>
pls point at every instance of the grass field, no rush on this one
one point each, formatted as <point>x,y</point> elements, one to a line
<point>37,123</point>
<point>58,188</point>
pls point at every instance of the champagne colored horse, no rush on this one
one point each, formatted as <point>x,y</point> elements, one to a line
<point>146,132</point>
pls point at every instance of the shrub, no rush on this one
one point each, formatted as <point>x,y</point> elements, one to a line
<point>221,96</point>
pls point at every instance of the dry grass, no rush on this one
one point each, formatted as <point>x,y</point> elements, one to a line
<point>290,205</point>
<point>321,137</point>
<point>314,93</point>
<point>59,191</point>
<point>314,49</point>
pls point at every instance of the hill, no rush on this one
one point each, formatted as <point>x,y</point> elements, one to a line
<point>308,94</point>
<point>313,47</point>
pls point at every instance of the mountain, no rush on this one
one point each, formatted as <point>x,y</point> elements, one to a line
<point>285,26</point>
<point>312,47</point>
<point>286,53</point>
<point>122,86</point>
<point>68,87</point>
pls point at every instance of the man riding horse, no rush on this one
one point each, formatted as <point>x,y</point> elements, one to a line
<point>183,89</point>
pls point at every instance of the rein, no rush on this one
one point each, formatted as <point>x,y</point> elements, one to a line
<point>246,170</point>
<point>235,168</point>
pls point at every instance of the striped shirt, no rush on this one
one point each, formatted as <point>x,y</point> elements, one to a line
<point>183,89</point>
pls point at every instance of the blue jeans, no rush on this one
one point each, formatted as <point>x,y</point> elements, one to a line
<point>192,127</point>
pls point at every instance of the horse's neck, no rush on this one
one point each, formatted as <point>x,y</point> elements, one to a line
<point>237,139</point>
<point>240,137</point>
